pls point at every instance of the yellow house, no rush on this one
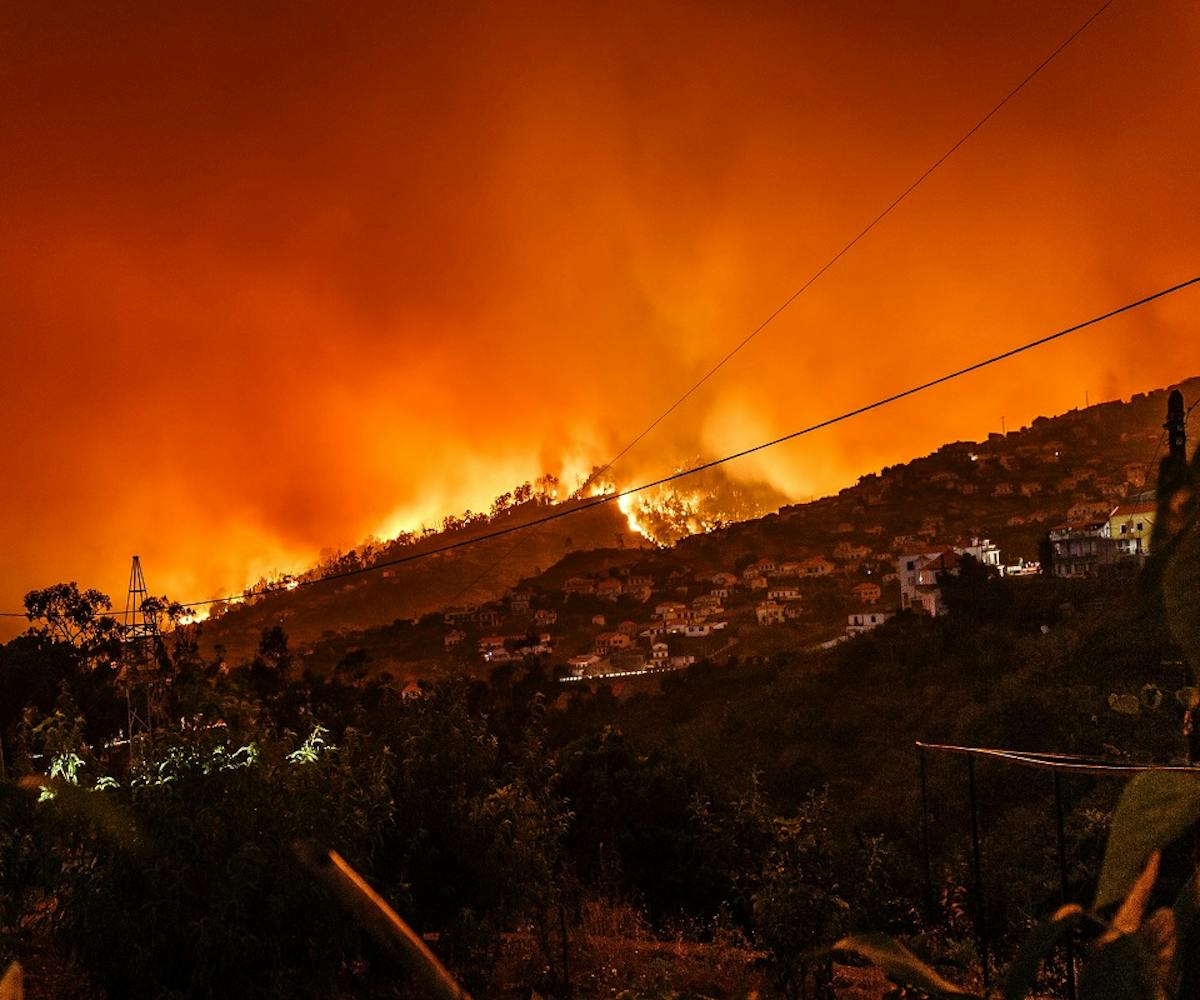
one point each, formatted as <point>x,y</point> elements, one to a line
<point>1130,524</point>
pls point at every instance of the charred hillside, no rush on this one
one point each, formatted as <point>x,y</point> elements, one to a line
<point>473,574</point>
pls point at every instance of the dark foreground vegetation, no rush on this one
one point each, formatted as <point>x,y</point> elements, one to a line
<point>705,839</point>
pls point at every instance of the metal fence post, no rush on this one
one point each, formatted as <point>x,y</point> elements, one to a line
<point>1062,879</point>
<point>977,867</point>
<point>925,837</point>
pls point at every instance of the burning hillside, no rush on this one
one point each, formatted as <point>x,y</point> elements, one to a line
<point>696,505</point>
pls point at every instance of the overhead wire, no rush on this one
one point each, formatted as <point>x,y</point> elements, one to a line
<point>603,470</point>
<point>578,506</point>
<point>816,276</point>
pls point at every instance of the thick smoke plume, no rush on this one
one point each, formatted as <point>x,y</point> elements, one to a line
<point>270,284</point>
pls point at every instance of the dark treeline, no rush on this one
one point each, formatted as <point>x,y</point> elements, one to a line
<point>753,811</point>
<point>168,869</point>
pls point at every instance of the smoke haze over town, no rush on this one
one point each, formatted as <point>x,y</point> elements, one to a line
<point>269,285</point>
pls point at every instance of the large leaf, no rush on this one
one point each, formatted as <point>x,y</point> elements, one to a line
<point>1113,972</point>
<point>1155,808</point>
<point>1036,946</point>
<point>899,964</point>
<point>12,986</point>
<point>1129,917</point>
<point>1187,906</point>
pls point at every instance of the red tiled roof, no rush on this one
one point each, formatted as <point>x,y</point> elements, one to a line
<point>1135,508</point>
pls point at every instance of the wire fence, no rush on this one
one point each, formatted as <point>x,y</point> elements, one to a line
<point>1061,767</point>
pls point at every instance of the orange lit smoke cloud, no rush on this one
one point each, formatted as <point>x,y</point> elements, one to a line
<point>268,284</point>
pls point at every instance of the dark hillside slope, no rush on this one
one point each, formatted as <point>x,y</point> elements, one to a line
<point>470,575</point>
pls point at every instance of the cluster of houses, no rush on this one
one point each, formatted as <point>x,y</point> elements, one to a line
<point>1099,535</point>
<point>632,648</point>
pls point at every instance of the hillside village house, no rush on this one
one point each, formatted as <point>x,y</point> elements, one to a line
<point>666,608</point>
<point>817,566</point>
<point>932,525</point>
<point>544,617</point>
<point>599,620</point>
<point>1131,526</point>
<point>659,653</point>
<point>864,621</point>
<point>608,642</point>
<point>1088,511</point>
<point>1117,543</point>
<point>1081,550</point>
<point>867,593</point>
<point>628,628</point>
<point>609,588</point>
<point>982,551</point>
<point>579,665</point>
<point>460,616</point>
<point>519,603</point>
<point>783,594</point>
<point>759,583</point>
<point>578,585</point>
<point>769,613</point>
<point>453,638</point>
<point>695,630</point>
<point>919,590</point>
<point>724,580</point>
<point>489,618</point>
<point>640,592</point>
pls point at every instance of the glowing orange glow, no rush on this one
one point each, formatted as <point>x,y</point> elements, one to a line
<point>269,285</point>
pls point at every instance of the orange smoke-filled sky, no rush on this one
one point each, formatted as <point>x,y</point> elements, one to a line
<point>273,277</point>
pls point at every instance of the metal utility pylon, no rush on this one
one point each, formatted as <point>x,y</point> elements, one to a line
<point>138,623</point>
<point>141,641</point>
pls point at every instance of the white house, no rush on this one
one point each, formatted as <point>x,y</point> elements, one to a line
<point>864,621</point>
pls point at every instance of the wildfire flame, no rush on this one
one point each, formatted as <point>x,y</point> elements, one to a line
<point>666,514</point>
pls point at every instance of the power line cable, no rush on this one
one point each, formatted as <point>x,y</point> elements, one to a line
<point>606,498</point>
<point>600,472</point>
<point>851,244</point>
